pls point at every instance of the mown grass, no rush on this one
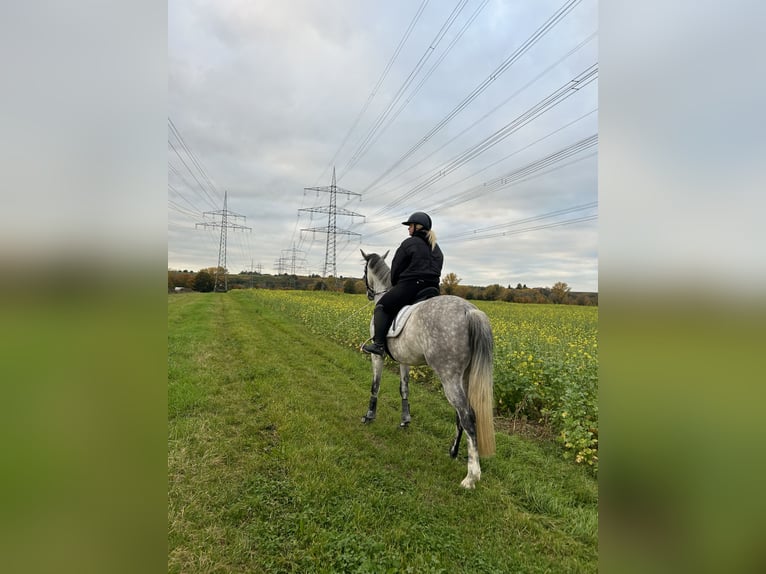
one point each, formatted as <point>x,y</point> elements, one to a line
<point>545,359</point>
<point>270,469</point>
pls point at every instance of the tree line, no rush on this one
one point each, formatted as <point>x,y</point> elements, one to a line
<point>204,281</point>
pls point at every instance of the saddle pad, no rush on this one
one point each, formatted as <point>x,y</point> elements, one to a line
<point>401,319</point>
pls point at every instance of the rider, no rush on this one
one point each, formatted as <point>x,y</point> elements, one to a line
<point>417,264</point>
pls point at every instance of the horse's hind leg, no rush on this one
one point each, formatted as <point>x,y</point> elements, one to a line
<point>466,419</point>
<point>458,435</point>
<point>404,391</point>
<point>468,422</point>
<point>377,373</point>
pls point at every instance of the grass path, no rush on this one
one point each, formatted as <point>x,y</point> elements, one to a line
<point>270,469</point>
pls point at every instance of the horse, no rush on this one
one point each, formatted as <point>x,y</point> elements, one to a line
<point>454,338</point>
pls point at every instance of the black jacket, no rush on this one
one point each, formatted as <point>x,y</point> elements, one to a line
<point>416,260</point>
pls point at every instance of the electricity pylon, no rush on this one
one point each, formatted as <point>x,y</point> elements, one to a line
<point>222,284</point>
<point>292,263</point>
<point>332,230</point>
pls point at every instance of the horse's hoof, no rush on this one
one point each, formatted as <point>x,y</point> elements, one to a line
<point>366,420</point>
<point>404,424</point>
<point>468,483</point>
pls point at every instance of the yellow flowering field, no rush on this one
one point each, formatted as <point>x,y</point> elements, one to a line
<point>546,357</point>
<point>546,369</point>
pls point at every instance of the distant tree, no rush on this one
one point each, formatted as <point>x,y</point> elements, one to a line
<point>583,299</point>
<point>461,290</point>
<point>180,279</point>
<point>450,283</point>
<point>349,286</point>
<point>493,292</point>
<point>518,286</point>
<point>204,282</point>
<point>560,292</point>
<point>320,286</point>
<point>524,296</point>
<point>538,296</point>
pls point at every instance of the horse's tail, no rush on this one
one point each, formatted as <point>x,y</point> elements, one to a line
<point>480,393</point>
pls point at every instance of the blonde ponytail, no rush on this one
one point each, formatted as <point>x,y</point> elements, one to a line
<point>430,235</point>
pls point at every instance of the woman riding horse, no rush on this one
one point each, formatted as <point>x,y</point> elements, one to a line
<point>417,265</point>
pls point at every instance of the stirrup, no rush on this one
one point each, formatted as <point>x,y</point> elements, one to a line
<point>374,348</point>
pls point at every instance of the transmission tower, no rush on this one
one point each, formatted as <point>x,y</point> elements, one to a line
<point>292,263</point>
<point>254,269</point>
<point>332,230</point>
<point>280,265</point>
<point>222,284</point>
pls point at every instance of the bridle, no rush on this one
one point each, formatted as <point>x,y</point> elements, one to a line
<point>371,294</point>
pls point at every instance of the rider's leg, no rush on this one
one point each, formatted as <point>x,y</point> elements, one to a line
<point>385,311</point>
<point>381,322</point>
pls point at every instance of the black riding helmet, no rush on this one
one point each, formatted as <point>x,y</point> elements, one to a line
<point>421,218</point>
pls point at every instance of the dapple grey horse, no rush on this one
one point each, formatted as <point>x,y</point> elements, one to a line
<point>454,338</point>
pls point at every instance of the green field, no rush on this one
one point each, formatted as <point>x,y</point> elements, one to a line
<point>270,469</point>
<point>546,358</point>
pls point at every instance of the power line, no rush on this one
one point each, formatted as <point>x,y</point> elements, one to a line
<point>200,190</point>
<point>194,211</point>
<point>195,160</point>
<point>433,132</point>
<point>364,145</point>
<point>206,187</point>
<point>477,232</point>
<point>375,89</point>
<point>553,99</point>
<point>504,158</point>
<point>181,209</point>
<point>517,175</point>
<point>534,228</point>
<point>504,66</point>
<point>428,74</point>
<point>483,233</point>
<point>519,150</point>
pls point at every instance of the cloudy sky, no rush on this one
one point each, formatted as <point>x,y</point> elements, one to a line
<point>483,113</point>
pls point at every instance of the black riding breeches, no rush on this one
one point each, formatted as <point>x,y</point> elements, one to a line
<point>401,294</point>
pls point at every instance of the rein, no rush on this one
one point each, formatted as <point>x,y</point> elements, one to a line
<point>352,314</point>
<point>370,295</point>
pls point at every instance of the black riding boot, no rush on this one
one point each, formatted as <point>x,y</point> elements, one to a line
<point>381,322</point>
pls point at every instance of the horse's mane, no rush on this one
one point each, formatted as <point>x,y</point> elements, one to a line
<point>380,268</point>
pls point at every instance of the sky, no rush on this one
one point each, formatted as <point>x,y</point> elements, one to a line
<point>482,113</point>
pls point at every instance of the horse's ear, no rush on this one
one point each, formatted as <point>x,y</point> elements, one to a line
<point>385,255</point>
<point>363,254</point>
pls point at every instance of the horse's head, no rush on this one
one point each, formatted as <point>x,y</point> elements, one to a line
<point>378,280</point>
